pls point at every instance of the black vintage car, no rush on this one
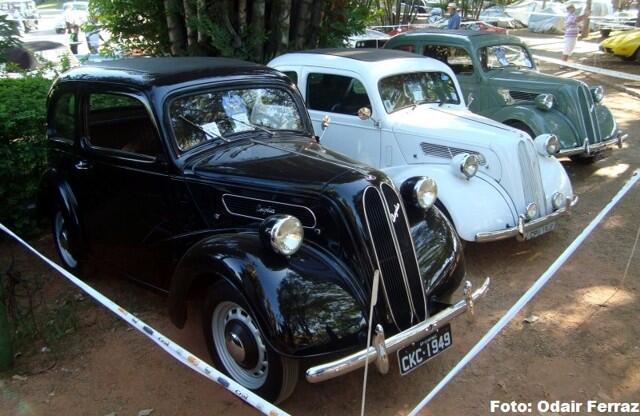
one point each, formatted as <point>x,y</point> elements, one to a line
<point>202,176</point>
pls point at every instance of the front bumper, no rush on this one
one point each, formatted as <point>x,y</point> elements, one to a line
<point>590,149</point>
<point>523,227</point>
<point>380,349</point>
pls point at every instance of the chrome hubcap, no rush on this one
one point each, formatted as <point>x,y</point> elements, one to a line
<point>239,345</point>
<point>62,240</point>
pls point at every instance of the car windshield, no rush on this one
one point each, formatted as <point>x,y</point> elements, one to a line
<point>207,116</point>
<point>502,56</point>
<point>411,89</point>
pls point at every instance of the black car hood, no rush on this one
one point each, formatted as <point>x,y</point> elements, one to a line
<point>296,160</point>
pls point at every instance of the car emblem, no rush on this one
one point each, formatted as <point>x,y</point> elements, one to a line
<point>396,211</point>
<point>265,210</point>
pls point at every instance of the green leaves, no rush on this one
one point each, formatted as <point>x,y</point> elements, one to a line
<point>23,152</point>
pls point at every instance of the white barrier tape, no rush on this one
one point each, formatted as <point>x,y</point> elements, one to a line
<point>528,295</point>
<point>175,350</point>
<point>587,68</point>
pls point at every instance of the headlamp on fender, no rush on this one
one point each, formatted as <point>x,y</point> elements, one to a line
<point>547,144</point>
<point>597,93</point>
<point>545,101</point>
<point>425,192</point>
<point>465,165</point>
<point>283,233</point>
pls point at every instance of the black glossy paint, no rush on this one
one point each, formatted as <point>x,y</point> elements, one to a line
<point>162,220</point>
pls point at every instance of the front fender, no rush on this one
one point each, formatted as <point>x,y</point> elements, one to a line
<point>305,305</point>
<point>475,205</point>
<point>541,122</point>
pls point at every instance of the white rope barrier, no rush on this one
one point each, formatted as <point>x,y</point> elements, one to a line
<point>587,68</point>
<point>175,350</point>
<point>528,295</point>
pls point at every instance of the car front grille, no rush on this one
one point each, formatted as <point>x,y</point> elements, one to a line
<point>589,116</point>
<point>531,179</point>
<point>395,256</point>
<point>522,95</point>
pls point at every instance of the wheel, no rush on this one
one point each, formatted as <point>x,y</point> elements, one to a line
<point>66,247</point>
<point>238,347</point>
<point>587,160</point>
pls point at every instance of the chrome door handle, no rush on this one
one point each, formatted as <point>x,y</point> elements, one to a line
<point>82,165</point>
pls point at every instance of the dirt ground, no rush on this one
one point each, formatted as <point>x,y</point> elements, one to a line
<point>584,345</point>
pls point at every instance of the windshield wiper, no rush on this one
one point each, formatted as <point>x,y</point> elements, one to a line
<point>419,102</point>
<point>200,129</point>
<point>255,126</point>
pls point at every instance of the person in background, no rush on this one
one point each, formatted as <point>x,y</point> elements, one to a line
<point>454,17</point>
<point>94,38</point>
<point>571,30</point>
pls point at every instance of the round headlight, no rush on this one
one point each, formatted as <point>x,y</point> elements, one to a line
<point>425,192</point>
<point>545,101</point>
<point>558,200</point>
<point>547,144</point>
<point>532,211</point>
<point>597,93</point>
<point>285,233</point>
<point>465,164</point>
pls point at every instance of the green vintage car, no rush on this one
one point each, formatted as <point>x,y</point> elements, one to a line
<point>499,78</point>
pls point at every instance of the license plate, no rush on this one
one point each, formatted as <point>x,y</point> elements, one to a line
<point>418,353</point>
<point>539,231</point>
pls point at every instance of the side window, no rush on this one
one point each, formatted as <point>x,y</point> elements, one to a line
<point>336,93</point>
<point>406,48</point>
<point>457,58</point>
<point>121,122</point>
<point>293,76</point>
<point>63,120</point>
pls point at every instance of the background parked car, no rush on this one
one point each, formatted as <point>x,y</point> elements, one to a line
<point>22,11</point>
<point>406,115</point>
<point>499,72</point>
<point>625,45</point>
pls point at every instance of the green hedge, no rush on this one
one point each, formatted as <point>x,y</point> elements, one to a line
<point>22,149</point>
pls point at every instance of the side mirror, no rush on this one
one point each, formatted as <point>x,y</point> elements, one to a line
<point>364,113</point>
<point>325,122</point>
<point>470,99</point>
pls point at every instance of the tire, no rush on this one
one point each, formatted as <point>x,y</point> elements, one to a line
<point>67,248</point>
<point>225,314</point>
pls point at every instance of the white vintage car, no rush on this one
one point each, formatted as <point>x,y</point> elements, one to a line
<point>406,116</point>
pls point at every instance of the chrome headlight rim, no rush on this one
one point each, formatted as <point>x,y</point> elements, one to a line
<point>547,144</point>
<point>531,211</point>
<point>597,93</point>
<point>558,201</point>
<point>545,101</point>
<point>465,164</point>
<point>285,233</point>
<point>425,192</point>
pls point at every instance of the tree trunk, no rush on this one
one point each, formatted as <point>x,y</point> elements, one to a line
<point>585,22</point>
<point>257,23</point>
<point>201,13</point>
<point>282,28</point>
<point>242,16</point>
<point>302,23</point>
<point>190,14</point>
<point>226,7</point>
<point>316,23</point>
<point>175,26</point>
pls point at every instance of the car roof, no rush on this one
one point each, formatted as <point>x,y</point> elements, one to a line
<point>473,36</point>
<point>150,72</point>
<point>361,54</point>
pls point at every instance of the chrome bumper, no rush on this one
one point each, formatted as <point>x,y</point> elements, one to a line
<point>380,349</point>
<point>590,149</point>
<point>523,227</point>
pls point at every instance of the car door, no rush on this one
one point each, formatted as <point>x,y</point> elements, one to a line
<point>121,182</point>
<point>340,95</point>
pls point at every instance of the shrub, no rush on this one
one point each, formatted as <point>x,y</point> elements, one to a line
<point>22,148</point>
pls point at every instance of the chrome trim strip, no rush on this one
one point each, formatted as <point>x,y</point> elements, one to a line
<point>224,203</point>
<point>615,140</point>
<point>394,237</point>
<point>523,227</point>
<point>375,251</point>
<point>417,332</point>
<point>413,248</point>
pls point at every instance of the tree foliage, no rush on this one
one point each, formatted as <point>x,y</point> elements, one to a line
<point>9,36</point>
<point>256,30</point>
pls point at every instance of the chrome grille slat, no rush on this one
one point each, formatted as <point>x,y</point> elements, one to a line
<point>589,117</point>
<point>437,150</point>
<point>531,179</point>
<point>395,256</point>
<point>523,95</point>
